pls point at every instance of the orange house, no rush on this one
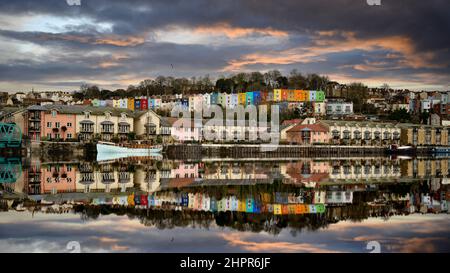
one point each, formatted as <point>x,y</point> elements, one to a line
<point>300,95</point>
<point>284,94</point>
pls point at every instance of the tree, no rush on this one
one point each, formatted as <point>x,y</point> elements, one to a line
<point>400,115</point>
<point>357,93</point>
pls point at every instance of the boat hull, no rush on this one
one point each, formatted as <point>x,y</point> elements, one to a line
<point>111,152</point>
<point>102,148</point>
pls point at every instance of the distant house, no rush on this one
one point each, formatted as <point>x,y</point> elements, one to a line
<point>339,108</point>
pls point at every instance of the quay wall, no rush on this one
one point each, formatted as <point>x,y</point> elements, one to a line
<point>193,151</point>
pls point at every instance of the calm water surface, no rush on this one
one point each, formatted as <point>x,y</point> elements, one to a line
<point>245,205</point>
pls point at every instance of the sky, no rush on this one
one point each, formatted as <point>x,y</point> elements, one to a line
<point>59,45</point>
<point>20,232</point>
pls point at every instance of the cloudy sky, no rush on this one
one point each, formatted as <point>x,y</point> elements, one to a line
<point>49,44</point>
<point>19,232</point>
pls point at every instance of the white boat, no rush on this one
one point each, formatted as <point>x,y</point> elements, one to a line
<point>110,151</point>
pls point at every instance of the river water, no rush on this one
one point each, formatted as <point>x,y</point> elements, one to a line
<point>380,204</point>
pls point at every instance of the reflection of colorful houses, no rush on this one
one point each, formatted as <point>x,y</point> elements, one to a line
<point>105,179</point>
<point>306,171</point>
<point>58,179</point>
<point>185,171</point>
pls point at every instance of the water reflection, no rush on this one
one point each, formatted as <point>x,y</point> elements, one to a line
<point>233,192</point>
<point>235,203</point>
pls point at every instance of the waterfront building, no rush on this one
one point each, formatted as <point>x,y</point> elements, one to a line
<point>362,133</point>
<point>308,134</point>
<point>147,123</point>
<point>418,135</point>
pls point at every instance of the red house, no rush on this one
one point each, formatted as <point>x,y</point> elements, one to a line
<point>144,104</point>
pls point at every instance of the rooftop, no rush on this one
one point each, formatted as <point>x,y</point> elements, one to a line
<point>308,127</point>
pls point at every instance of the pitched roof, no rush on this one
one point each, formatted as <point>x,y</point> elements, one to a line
<point>292,121</point>
<point>308,127</point>
<point>80,109</point>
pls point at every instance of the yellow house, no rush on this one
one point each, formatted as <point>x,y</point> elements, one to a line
<point>412,134</point>
<point>242,98</point>
<point>130,104</point>
<point>116,103</point>
<point>277,95</point>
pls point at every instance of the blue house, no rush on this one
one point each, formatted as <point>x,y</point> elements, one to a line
<point>256,97</point>
<point>137,104</point>
<point>214,98</point>
<point>249,98</point>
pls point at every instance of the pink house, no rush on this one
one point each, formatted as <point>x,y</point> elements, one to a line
<point>308,134</point>
<point>56,125</point>
<point>58,179</point>
<point>185,171</point>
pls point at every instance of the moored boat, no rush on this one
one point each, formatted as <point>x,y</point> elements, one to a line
<point>396,149</point>
<point>107,147</point>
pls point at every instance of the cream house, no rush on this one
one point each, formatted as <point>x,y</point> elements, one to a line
<point>147,123</point>
<point>103,122</point>
<point>363,133</point>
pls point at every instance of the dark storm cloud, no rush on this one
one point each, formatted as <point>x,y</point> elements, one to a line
<point>417,29</point>
<point>426,22</point>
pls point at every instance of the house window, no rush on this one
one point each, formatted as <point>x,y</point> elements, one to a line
<point>69,135</point>
<point>87,115</point>
<point>53,113</point>
<point>57,124</point>
<point>69,124</point>
<point>49,125</point>
<point>49,135</point>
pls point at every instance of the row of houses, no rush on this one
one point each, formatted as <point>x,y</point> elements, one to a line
<point>87,123</point>
<point>365,133</point>
<point>224,99</point>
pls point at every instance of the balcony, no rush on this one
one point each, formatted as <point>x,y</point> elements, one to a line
<point>89,130</point>
<point>107,127</point>
<point>124,128</point>
<point>86,126</point>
